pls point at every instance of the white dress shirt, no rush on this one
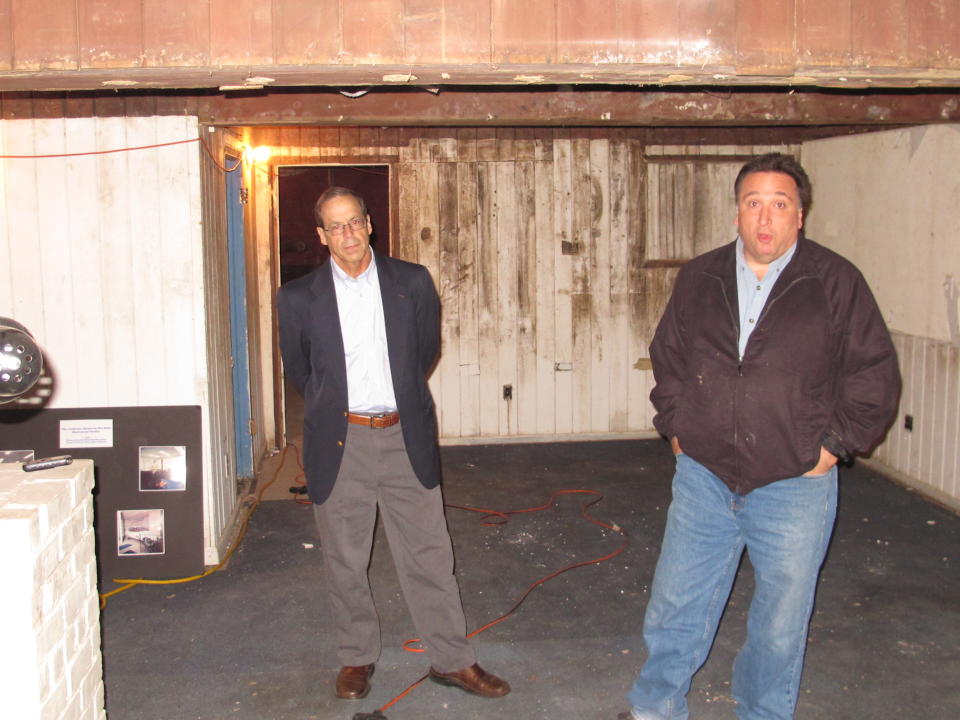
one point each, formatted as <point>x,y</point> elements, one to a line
<point>369,383</point>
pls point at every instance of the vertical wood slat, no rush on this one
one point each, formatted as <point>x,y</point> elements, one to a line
<point>468,285</point>
<point>563,282</point>
<point>448,278</point>
<point>148,302</point>
<point>428,249</point>
<point>487,299</point>
<point>951,425</point>
<point>525,390</point>
<point>581,313</point>
<point>116,258</point>
<point>85,263</point>
<point>600,317</point>
<point>506,294</point>
<point>546,298</point>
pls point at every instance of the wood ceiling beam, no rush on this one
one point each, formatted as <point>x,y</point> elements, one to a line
<point>491,74</point>
<point>596,107</point>
<point>550,107</point>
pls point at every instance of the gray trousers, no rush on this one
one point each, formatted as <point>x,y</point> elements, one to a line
<point>376,472</point>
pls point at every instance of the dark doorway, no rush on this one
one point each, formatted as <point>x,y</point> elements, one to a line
<point>300,186</point>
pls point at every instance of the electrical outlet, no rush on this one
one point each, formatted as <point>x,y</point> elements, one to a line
<point>908,422</point>
<point>507,392</point>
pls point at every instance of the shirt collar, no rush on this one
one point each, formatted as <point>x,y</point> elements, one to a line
<point>367,277</point>
<point>773,269</point>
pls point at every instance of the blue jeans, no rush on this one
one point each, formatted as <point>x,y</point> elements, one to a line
<point>785,527</point>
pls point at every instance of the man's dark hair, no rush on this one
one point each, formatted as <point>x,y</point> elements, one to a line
<point>334,192</point>
<point>778,162</point>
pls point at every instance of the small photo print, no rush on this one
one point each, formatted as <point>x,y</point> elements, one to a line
<point>14,456</point>
<point>140,532</point>
<point>163,467</point>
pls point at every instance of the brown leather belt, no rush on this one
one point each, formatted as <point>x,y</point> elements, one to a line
<point>378,422</point>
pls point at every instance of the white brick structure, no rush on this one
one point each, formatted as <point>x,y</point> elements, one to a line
<point>50,663</point>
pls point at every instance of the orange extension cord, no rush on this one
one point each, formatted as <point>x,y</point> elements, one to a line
<point>490,517</point>
<point>497,517</point>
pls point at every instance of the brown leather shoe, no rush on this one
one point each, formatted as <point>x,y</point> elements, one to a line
<point>473,679</point>
<point>353,682</point>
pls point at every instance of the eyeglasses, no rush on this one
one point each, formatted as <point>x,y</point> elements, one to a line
<point>338,228</point>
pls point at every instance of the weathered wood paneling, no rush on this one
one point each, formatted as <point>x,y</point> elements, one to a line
<point>536,241</point>
<point>156,43</point>
<point>101,257</point>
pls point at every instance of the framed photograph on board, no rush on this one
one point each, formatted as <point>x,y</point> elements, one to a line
<point>163,468</point>
<point>140,532</point>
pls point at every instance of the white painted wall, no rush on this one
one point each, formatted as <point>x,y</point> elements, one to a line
<point>890,202</point>
<point>101,258</point>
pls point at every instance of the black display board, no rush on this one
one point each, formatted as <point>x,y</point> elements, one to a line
<point>148,496</point>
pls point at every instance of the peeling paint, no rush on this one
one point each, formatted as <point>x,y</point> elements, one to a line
<point>677,79</point>
<point>875,112</point>
<point>399,77</point>
<point>528,78</point>
<point>119,83</point>
<point>259,80</point>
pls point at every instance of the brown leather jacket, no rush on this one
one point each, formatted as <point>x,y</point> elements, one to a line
<point>818,370</point>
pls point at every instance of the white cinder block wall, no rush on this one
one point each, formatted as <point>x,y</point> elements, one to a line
<point>50,663</point>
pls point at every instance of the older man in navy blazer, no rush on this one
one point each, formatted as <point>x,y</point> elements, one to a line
<point>358,336</point>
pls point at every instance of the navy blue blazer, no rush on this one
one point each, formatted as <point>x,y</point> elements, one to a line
<point>311,345</point>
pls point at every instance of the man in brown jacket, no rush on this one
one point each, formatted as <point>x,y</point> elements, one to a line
<point>772,362</point>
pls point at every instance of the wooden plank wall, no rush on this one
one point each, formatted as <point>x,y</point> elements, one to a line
<point>536,239</point>
<point>928,456</point>
<point>101,258</point>
<point>750,36</point>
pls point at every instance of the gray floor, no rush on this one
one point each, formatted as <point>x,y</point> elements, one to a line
<point>252,642</point>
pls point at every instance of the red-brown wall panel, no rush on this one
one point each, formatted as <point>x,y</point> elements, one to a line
<point>44,34</point>
<point>176,34</point>
<point>879,30</point>
<point>373,31</point>
<point>241,32</point>
<point>306,31</point>
<point>823,32</point>
<point>524,32</point>
<point>708,32</point>
<point>110,32</point>
<point>649,31</point>
<point>466,32</point>
<point>6,36</point>
<point>765,31</point>
<point>587,31</point>
<point>934,34</point>
<point>423,31</point>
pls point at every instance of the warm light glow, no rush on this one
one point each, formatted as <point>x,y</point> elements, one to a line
<point>256,155</point>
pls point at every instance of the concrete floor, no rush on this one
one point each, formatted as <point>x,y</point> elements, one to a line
<point>252,642</point>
